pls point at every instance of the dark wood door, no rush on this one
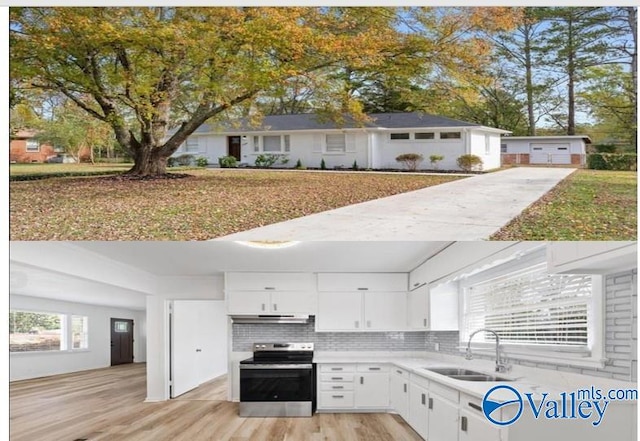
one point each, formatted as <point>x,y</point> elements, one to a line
<point>234,143</point>
<point>121,341</point>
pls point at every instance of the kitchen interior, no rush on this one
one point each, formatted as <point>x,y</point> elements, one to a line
<point>421,330</point>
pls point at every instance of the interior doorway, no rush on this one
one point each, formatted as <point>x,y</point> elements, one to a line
<point>121,341</point>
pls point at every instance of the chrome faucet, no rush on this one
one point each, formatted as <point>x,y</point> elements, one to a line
<point>500,366</point>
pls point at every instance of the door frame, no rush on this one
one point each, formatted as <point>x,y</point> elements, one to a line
<point>111,323</point>
<point>229,141</point>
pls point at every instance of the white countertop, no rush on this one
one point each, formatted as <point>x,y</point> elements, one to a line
<point>524,379</point>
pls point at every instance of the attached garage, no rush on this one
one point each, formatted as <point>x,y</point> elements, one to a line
<point>542,150</point>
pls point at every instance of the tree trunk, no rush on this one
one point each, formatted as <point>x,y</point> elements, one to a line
<point>148,160</point>
<point>571,117</point>
<point>531,131</point>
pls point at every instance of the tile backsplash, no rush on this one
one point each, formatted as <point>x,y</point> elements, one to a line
<point>244,335</point>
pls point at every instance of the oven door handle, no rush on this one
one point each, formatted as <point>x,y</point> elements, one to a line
<point>275,366</point>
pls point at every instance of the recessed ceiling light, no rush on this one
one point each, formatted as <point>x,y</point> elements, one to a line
<point>268,244</point>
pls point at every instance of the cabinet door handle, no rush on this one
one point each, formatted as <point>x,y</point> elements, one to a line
<point>336,368</point>
<point>416,284</point>
<point>424,399</point>
<point>275,306</point>
<point>264,306</point>
<point>368,323</point>
<point>270,288</point>
<point>337,378</point>
<point>337,387</point>
<point>463,423</point>
<point>475,406</point>
<point>405,388</point>
<point>363,289</point>
<point>424,321</point>
<point>337,396</point>
<point>198,350</point>
<point>361,380</point>
<point>357,323</point>
<point>430,403</point>
<point>374,368</point>
<point>400,372</point>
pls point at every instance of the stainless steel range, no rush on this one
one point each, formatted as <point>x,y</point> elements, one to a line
<point>279,380</point>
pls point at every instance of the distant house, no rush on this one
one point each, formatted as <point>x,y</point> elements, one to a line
<point>374,144</point>
<point>24,147</point>
<point>544,149</point>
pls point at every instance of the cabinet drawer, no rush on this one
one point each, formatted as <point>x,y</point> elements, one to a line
<point>420,381</point>
<point>383,282</point>
<point>474,405</point>
<point>444,391</point>
<point>373,368</point>
<point>336,399</point>
<point>337,368</point>
<point>337,377</point>
<point>400,372</point>
<point>336,387</point>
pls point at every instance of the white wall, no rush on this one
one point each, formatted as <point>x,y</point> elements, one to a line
<point>478,148</point>
<point>171,288</point>
<point>98,355</point>
<point>388,150</point>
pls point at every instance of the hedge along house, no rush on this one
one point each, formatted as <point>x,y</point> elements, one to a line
<point>545,150</point>
<point>374,144</point>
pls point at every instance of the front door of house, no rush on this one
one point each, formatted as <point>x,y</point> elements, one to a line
<point>121,341</point>
<point>234,143</point>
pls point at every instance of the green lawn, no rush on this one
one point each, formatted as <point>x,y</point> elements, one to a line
<point>209,204</point>
<point>588,205</point>
<point>29,169</point>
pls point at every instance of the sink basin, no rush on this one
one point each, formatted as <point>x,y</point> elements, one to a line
<point>466,374</point>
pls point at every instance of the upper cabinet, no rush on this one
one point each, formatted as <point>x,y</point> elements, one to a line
<point>270,293</point>
<point>362,311</point>
<point>601,257</point>
<point>350,282</point>
<point>270,282</point>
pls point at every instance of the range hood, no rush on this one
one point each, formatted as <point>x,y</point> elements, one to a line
<point>255,319</point>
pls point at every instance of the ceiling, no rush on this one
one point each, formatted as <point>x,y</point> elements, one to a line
<point>216,257</point>
<point>197,259</point>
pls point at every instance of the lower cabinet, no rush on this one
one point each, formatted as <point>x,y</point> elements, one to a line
<point>475,427</point>
<point>443,418</point>
<point>343,386</point>
<point>372,387</point>
<point>418,410</point>
<point>399,392</point>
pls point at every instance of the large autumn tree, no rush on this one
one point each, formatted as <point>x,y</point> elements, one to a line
<point>155,74</point>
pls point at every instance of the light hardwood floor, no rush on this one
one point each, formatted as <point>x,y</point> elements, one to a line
<point>107,404</point>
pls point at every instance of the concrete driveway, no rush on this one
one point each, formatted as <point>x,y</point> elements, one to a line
<point>467,209</point>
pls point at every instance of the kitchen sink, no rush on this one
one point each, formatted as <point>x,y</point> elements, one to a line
<point>466,374</point>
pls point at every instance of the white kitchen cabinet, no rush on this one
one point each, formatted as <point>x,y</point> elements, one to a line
<point>361,311</point>
<point>265,302</point>
<point>418,308</point>
<point>245,281</point>
<point>346,282</point>
<point>418,410</point>
<point>443,307</point>
<point>385,311</point>
<point>591,257</point>
<point>399,392</point>
<point>443,418</point>
<point>339,311</point>
<point>475,427</point>
<point>372,387</point>
<point>419,276</point>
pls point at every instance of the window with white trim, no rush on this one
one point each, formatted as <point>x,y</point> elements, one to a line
<point>425,135</point>
<point>336,143</point>
<point>399,136</point>
<point>272,144</point>
<point>33,145</point>
<point>192,144</point>
<point>503,148</point>
<point>533,311</point>
<point>487,144</point>
<point>256,144</point>
<point>31,331</point>
<point>450,135</point>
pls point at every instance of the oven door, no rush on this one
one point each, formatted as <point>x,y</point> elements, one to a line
<point>290,382</point>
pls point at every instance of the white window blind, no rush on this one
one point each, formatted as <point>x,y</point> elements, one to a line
<point>531,307</point>
<point>192,144</point>
<point>271,143</point>
<point>336,143</point>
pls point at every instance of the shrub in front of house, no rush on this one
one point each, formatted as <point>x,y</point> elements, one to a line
<point>323,165</point>
<point>435,159</point>
<point>202,161</point>
<point>269,160</point>
<point>410,160</point>
<point>613,161</point>
<point>185,160</point>
<point>227,162</point>
<point>469,163</point>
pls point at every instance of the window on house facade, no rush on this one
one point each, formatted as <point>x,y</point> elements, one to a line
<point>271,144</point>
<point>192,144</point>
<point>503,148</point>
<point>533,311</point>
<point>287,143</point>
<point>31,331</point>
<point>256,144</point>
<point>450,135</point>
<point>336,143</point>
<point>33,145</point>
<point>425,135</point>
<point>487,144</point>
<point>398,136</point>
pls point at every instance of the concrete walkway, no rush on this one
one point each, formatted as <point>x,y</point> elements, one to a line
<point>467,209</point>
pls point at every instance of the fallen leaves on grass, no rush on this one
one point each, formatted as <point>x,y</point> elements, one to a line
<point>208,205</point>
<point>588,205</point>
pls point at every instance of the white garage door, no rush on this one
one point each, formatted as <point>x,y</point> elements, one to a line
<point>550,153</point>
